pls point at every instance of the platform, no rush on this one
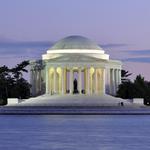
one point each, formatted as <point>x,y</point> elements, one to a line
<point>75,105</point>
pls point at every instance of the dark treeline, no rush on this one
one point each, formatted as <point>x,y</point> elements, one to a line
<point>12,83</point>
<point>139,88</point>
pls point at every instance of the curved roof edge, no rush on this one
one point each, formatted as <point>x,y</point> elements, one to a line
<point>75,42</point>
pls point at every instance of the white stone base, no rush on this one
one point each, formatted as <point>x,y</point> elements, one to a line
<point>12,101</point>
<point>138,101</point>
<point>74,100</point>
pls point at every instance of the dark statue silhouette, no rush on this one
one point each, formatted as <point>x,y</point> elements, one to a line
<point>75,86</point>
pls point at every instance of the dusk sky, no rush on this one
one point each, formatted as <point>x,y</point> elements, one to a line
<point>122,27</point>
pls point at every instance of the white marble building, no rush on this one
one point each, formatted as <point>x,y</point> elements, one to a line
<point>75,58</point>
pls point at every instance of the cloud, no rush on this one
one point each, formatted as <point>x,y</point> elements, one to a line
<point>23,49</point>
<point>138,59</point>
<point>138,52</point>
<point>5,39</point>
<point>24,44</point>
<point>142,56</point>
<point>113,45</point>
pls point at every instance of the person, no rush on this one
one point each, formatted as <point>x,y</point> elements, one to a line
<point>122,104</point>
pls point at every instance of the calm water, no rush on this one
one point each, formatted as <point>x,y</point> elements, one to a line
<point>74,132</point>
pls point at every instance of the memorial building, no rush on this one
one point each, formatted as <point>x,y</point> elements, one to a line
<point>75,65</point>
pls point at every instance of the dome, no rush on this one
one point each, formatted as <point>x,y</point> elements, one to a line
<point>75,46</point>
<point>75,42</point>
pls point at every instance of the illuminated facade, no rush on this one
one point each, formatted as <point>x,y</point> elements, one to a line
<point>75,64</point>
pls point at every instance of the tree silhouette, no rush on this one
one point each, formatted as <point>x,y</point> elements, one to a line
<point>137,89</point>
<point>12,83</point>
<point>19,69</point>
<point>124,75</point>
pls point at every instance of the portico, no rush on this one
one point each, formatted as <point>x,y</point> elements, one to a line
<point>90,80</point>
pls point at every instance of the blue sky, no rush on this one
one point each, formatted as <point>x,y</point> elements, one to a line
<point>121,27</point>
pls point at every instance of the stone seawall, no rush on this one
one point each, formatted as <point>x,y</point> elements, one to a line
<point>73,110</point>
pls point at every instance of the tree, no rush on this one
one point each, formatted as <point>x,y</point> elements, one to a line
<point>5,82</point>
<point>142,88</point>
<point>12,83</point>
<point>137,89</point>
<point>19,69</point>
<point>21,89</point>
<point>126,90</point>
<point>124,75</point>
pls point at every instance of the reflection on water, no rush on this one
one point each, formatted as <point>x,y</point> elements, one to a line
<point>74,132</point>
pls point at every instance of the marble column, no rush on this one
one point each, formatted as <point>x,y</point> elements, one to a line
<point>80,80</point>
<point>37,81</point>
<point>113,82</point>
<point>47,79</point>
<point>91,82</point>
<point>50,81</point>
<point>62,81</point>
<point>96,84</point>
<point>87,80</point>
<point>104,78</point>
<point>108,80</point>
<point>71,81</point>
<point>54,81</point>
<point>115,78</point>
<point>119,76</point>
<point>33,82</point>
<point>31,76</point>
<point>86,90</point>
<point>40,88</point>
<point>65,80</point>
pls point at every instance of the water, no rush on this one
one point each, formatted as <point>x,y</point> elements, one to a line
<point>74,132</point>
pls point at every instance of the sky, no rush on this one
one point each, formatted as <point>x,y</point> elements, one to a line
<point>122,27</point>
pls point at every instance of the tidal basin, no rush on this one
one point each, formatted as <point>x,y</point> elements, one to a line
<point>74,132</point>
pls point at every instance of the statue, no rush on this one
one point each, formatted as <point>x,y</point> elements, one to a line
<point>75,86</point>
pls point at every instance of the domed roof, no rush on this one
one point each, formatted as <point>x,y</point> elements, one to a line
<point>75,42</point>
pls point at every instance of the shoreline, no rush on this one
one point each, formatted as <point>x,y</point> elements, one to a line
<point>74,110</point>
